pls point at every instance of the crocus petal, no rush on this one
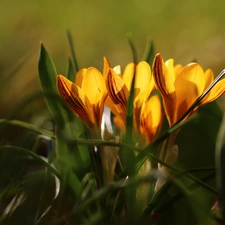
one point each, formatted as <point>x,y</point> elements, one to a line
<point>117,69</point>
<point>186,94</point>
<point>177,69</point>
<point>189,86</point>
<point>144,84</point>
<point>144,81</point>
<point>117,90</point>
<point>116,110</point>
<point>165,83</point>
<point>194,73</point>
<point>106,67</point>
<point>79,76</point>
<point>120,123</point>
<point>163,79</point>
<point>170,66</point>
<point>209,77</point>
<point>75,99</point>
<point>152,118</point>
<point>128,75</point>
<point>93,85</point>
<point>215,92</point>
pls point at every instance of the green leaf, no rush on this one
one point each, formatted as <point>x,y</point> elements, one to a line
<point>130,192</point>
<point>69,159</point>
<point>70,39</point>
<point>70,74</point>
<point>220,165</point>
<point>27,126</point>
<point>47,76</point>
<point>25,152</point>
<point>197,141</point>
<point>149,53</point>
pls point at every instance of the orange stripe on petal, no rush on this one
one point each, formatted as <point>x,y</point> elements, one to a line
<point>117,89</point>
<point>75,99</point>
<point>164,81</point>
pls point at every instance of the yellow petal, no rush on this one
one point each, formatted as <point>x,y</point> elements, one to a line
<point>79,77</point>
<point>186,94</point>
<point>106,67</point>
<point>128,75</point>
<point>117,90</point>
<point>93,85</point>
<point>75,99</point>
<point>194,73</point>
<point>177,69</point>
<point>209,77</point>
<point>120,123</point>
<point>163,78</point>
<point>152,117</point>
<point>170,66</point>
<point>117,111</point>
<point>215,92</point>
<point>164,81</point>
<point>144,81</point>
<point>189,86</point>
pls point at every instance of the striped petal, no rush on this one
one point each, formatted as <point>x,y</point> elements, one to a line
<point>76,100</point>
<point>164,81</point>
<point>117,90</point>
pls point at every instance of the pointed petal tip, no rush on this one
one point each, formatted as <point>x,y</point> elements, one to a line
<point>157,60</point>
<point>60,78</point>
<point>106,63</point>
<point>158,56</point>
<point>105,59</point>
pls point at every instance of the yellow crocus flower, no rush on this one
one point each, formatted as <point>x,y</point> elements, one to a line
<point>86,96</point>
<point>119,86</point>
<point>181,86</point>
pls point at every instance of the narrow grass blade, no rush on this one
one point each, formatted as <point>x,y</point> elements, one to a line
<point>220,165</point>
<point>149,53</point>
<point>70,39</point>
<point>34,156</point>
<point>70,74</point>
<point>27,126</point>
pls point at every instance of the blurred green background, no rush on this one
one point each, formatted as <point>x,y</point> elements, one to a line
<point>183,30</point>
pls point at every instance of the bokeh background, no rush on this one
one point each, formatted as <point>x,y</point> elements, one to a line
<point>183,30</point>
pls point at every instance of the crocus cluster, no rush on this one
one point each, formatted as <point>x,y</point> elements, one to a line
<point>177,86</point>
